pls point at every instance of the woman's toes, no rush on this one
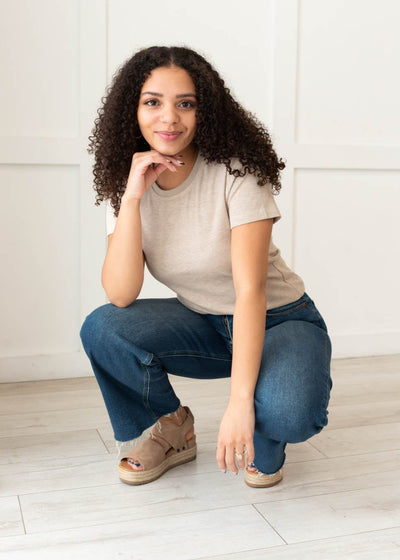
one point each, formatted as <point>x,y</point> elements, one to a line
<point>135,465</point>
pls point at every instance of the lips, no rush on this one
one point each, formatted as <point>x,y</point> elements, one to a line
<point>168,136</point>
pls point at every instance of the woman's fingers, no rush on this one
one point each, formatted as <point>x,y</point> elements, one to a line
<point>221,457</point>
<point>143,160</point>
<point>240,458</point>
<point>235,457</point>
<point>145,169</point>
<point>226,459</point>
<point>249,452</point>
<point>173,159</point>
<point>230,459</point>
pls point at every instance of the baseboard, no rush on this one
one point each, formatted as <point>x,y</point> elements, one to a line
<point>50,366</point>
<point>362,344</point>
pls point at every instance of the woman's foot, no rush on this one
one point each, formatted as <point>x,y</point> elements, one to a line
<point>177,418</point>
<point>171,443</point>
<point>256,479</point>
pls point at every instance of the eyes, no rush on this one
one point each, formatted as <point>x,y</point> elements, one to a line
<point>182,105</point>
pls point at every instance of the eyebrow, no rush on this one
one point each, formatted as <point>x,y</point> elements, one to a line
<point>161,95</point>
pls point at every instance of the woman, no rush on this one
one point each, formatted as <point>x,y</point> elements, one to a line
<point>189,176</point>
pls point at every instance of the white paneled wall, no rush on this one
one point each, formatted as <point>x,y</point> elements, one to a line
<point>347,87</point>
<point>52,69</point>
<point>42,310</point>
<point>320,74</point>
<point>343,146</point>
<point>345,246</point>
<point>39,92</point>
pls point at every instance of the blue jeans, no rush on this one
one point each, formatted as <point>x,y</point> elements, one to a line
<point>131,350</point>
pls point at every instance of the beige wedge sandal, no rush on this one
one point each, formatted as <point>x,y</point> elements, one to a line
<point>167,447</point>
<point>257,479</point>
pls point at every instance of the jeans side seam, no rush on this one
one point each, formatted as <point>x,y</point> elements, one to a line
<point>328,382</point>
<point>194,355</point>
<point>146,391</point>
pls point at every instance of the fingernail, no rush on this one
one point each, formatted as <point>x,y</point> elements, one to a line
<point>181,162</point>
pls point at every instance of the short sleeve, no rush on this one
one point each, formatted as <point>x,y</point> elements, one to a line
<point>111,220</point>
<point>249,202</point>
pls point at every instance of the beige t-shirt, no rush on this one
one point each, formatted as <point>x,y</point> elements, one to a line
<point>186,237</point>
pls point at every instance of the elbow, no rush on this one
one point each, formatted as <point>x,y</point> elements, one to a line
<point>120,295</point>
<point>121,302</point>
<point>121,298</point>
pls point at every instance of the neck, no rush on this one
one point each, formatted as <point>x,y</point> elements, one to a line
<point>170,179</point>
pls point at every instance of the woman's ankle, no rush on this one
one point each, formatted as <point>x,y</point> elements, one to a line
<point>177,417</point>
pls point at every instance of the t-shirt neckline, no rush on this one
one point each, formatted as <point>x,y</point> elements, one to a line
<point>183,186</point>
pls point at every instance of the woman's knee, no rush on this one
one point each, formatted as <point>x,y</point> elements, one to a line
<point>301,429</point>
<point>115,327</point>
<point>291,424</point>
<point>96,326</point>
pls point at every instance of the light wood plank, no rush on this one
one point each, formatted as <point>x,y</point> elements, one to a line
<point>42,422</point>
<point>50,400</point>
<point>335,515</point>
<point>362,439</point>
<point>60,472</point>
<point>10,518</point>
<point>365,414</point>
<point>52,445</point>
<point>213,532</point>
<point>374,545</point>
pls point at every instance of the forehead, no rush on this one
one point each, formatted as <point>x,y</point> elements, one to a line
<point>171,79</point>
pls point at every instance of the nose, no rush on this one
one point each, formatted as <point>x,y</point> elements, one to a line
<point>169,114</point>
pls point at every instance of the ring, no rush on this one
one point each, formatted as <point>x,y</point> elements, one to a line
<point>239,455</point>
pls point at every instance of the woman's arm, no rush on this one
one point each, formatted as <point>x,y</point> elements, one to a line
<point>250,248</point>
<point>248,340</point>
<point>123,269</point>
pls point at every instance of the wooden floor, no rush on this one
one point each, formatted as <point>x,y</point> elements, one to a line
<point>60,496</point>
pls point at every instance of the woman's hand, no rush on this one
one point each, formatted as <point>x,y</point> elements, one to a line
<point>236,433</point>
<point>146,167</point>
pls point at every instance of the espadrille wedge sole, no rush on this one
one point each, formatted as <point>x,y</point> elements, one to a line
<point>261,480</point>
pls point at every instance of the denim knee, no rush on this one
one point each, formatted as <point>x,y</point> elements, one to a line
<point>296,432</point>
<point>290,426</point>
<point>92,330</point>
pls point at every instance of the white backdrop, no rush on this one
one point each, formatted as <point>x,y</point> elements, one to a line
<point>320,74</point>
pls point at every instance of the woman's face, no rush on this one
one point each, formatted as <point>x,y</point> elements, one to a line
<point>167,110</point>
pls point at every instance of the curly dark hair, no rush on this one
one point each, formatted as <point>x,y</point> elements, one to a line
<point>224,129</point>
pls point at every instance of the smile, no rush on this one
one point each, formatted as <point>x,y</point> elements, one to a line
<point>169,136</point>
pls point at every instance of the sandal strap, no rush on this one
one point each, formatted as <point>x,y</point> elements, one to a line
<point>168,434</point>
<point>149,454</point>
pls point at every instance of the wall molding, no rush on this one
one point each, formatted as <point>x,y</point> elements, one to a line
<point>46,366</point>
